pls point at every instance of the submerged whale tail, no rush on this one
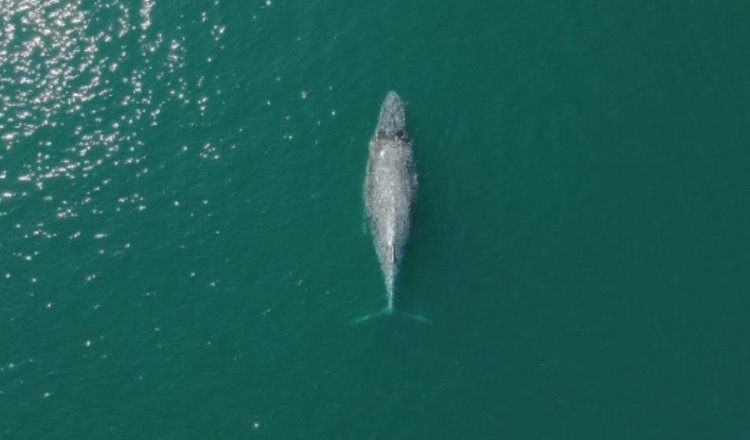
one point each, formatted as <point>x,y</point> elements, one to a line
<point>389,312</point>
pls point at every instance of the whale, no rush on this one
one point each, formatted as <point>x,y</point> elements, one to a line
<point>389,190</point>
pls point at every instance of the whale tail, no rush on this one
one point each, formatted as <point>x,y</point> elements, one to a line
<point>389,312</point>
<point>385,312</point>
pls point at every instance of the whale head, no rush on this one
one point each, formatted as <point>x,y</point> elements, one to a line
<point>392,119</point>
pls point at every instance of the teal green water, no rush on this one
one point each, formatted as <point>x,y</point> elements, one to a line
<point>182,249</point>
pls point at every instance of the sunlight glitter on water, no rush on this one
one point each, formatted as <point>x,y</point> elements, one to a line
<point>85,88</point>
<point>44,49</point>
<point>79,88</point>
<point>84,85</point>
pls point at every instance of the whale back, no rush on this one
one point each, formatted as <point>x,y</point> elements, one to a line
<point>390,185</point>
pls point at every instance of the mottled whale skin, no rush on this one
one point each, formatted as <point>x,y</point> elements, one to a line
<point>390,188</point>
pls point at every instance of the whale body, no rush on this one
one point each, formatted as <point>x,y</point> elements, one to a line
<point>390,188</point>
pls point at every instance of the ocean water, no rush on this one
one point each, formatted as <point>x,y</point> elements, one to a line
<point>182,239</point>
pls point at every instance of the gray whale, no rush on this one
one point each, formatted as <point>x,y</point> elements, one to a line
<point>390,187</point>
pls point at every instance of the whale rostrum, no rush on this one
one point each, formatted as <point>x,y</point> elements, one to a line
<point>390,187</point>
